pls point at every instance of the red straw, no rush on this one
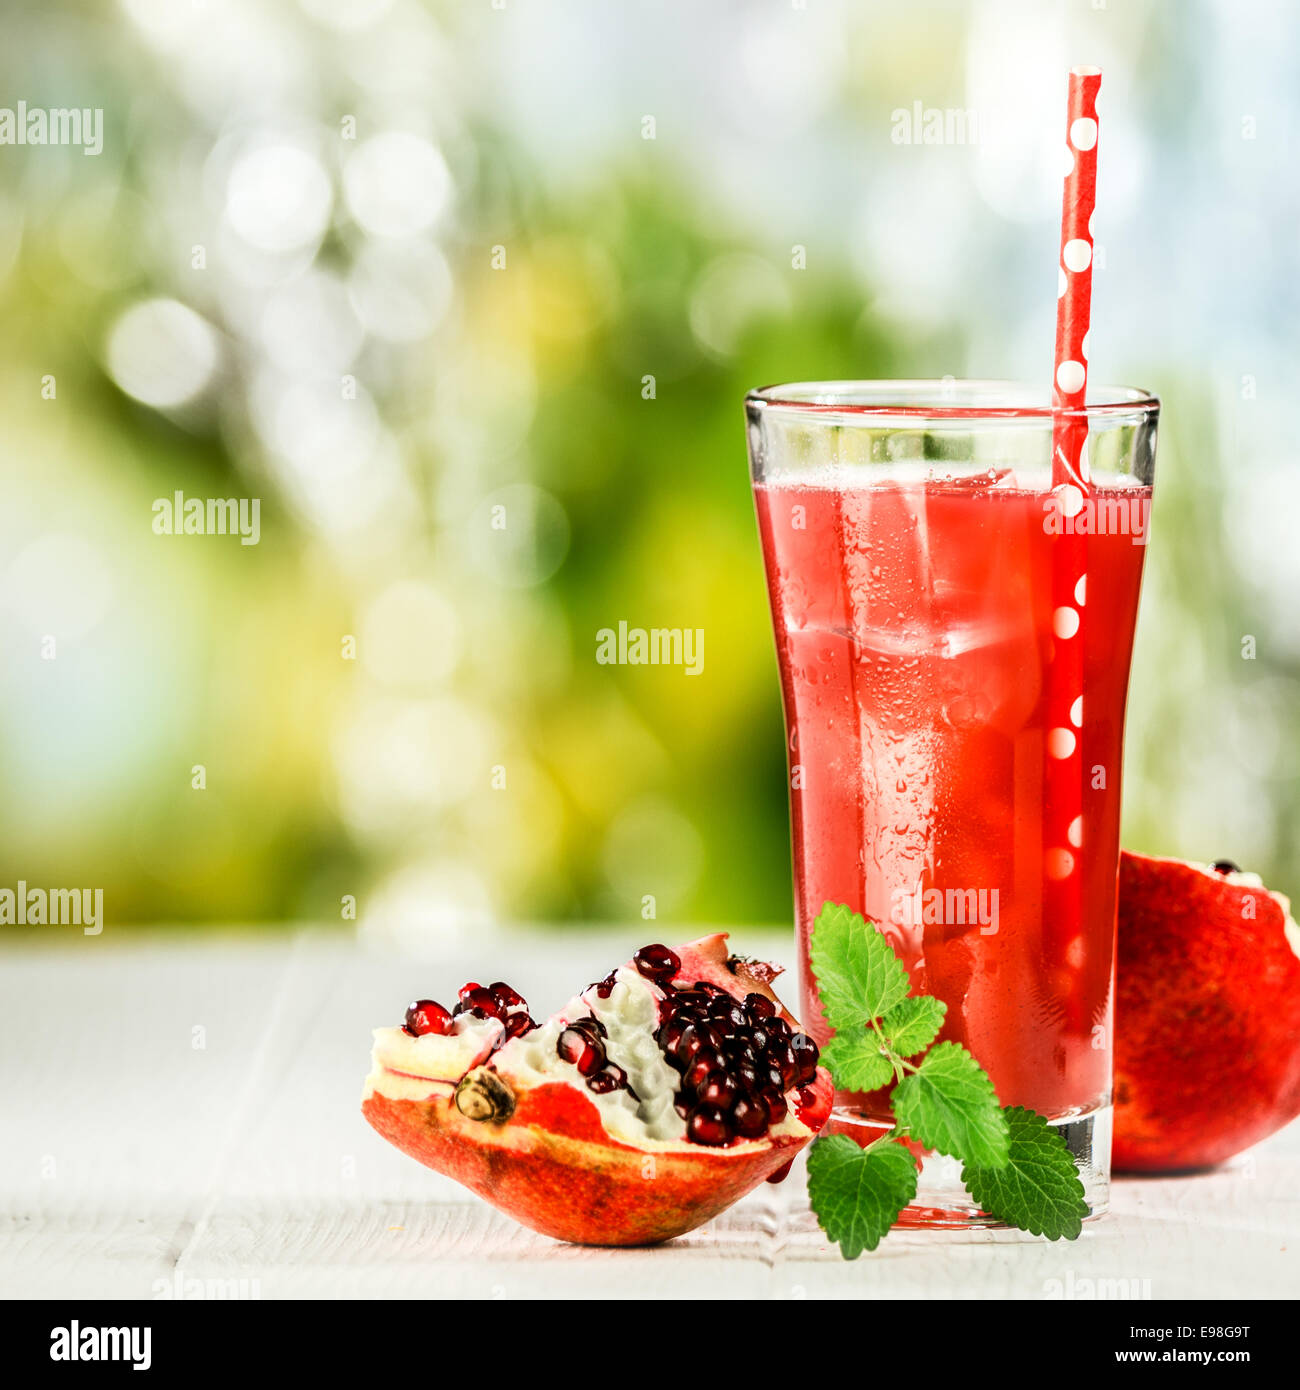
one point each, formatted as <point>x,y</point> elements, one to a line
<point>1063,927</point>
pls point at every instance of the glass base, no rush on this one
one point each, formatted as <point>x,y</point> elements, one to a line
<point>942,1203</point>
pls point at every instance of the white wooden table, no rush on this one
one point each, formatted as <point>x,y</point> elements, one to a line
<point>187,1109</point>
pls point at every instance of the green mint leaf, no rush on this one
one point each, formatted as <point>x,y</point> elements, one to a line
<point>948,1103</point>
<point>1038,1188</point>
<point>914,1024</point>
<point>858,1193</point>
<point>858,975</point>
<point>856,1062</point>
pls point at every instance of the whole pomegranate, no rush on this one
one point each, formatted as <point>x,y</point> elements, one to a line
<point>1207,1014</point>
<point>651,1102</point>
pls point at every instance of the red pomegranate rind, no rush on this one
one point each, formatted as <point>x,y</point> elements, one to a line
<point>588,1193</point>
<point>1207,1030</point>
<point>554,1169</point>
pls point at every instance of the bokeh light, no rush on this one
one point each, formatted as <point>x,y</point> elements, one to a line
<point>396,184</point>
<point>162,353</point>
<point>279,198</point>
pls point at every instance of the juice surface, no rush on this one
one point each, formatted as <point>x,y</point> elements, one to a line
<point>914,634</point>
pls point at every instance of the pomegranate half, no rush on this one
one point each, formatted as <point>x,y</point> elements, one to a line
<point>651,1102</point>
<point>1207,1014</point>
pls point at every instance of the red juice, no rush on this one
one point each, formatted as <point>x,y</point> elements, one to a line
<point>914,634</point>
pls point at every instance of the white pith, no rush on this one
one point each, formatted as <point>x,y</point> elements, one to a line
<point>407,1068</point>
<point>630,1016</point>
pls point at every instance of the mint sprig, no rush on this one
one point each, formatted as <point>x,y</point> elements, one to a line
<point>1014,1164</point>
<point>858,975</point>
<point>910,1027</point>
<point>949,1104</point>
<point>1038,1188</point>
<point>859,1061</point>
<point>863,1190</point>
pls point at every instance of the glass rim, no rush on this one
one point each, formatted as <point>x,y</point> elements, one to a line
<point>941,399</point>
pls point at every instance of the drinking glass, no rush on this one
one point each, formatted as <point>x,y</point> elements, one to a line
<point>914,547</point>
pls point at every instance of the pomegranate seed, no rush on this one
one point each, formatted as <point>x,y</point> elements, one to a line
<point>611,1079</point>
<point>731,1018</point>
<point>806,1054</point>
<point>691,1001</point>
<point>708,1125</point>
<point>770,1078</point>
<point>709,988</point>
<point>480,1002</point>
<point>759,1006</point>
<point>657,963</point>
<point>720,1090</point>
<point>518,1024</point>
<point>750,1116</point>
<point>759,1039</point>
<point>682,1106</point>
<point>780,1056</point>
<point>741,1054</point>
<point>776,1106</point>
<point>505,996</point>
<point>591,1062</point>
<point>584,1052</point>
<point>591,1026</point>
<point>747,1075</point>
<point>426,1016</point>
<point>697,1036</point>
<point>713,1035</point>
<point>604,988</point>
<point>669,1035</point>
<point>704,1064</point>
<point>778,1028</point>
<point>696,1016</point>
<point>689,1043</point>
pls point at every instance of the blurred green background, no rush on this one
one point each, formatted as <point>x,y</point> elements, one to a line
<point>392,268</point>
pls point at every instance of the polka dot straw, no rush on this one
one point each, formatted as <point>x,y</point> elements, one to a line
<point>1063,927</point>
